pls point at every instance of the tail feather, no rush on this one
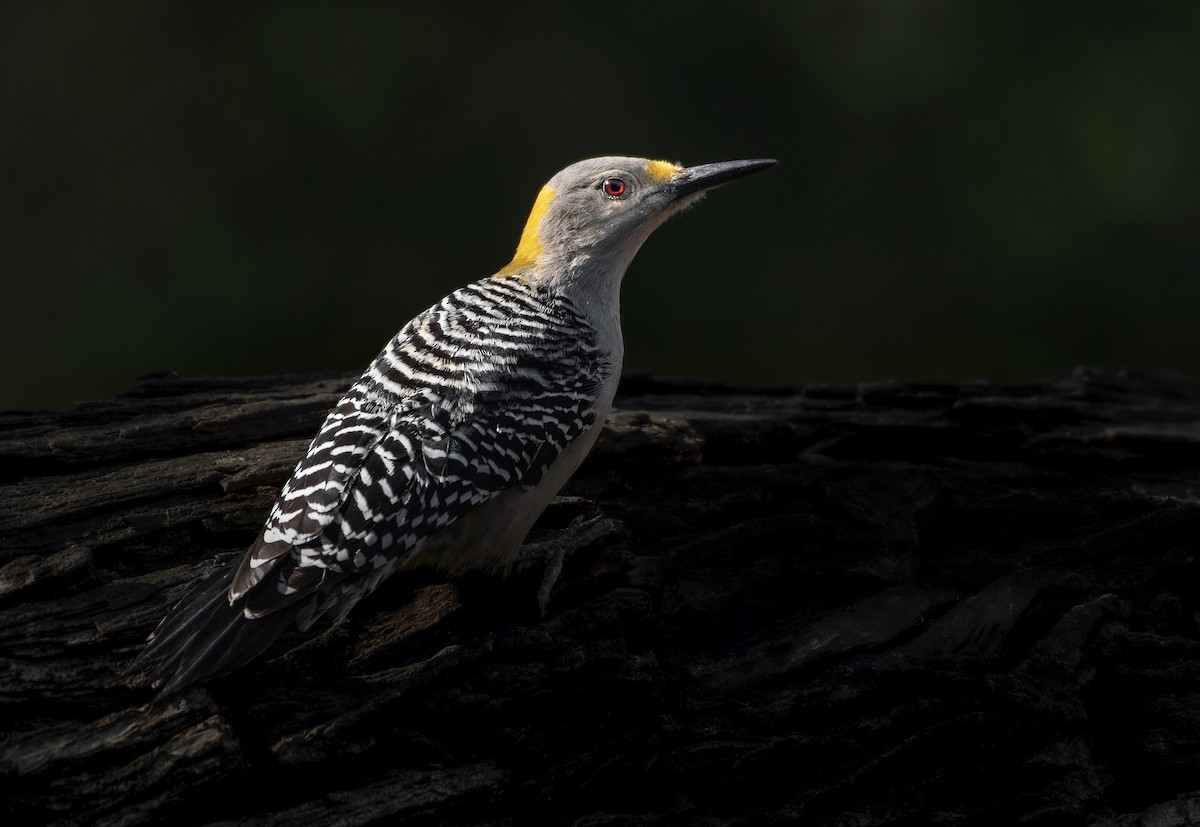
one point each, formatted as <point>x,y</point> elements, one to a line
<point>205,637</point>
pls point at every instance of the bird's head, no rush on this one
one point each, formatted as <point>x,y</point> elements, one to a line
<point>595,214</point>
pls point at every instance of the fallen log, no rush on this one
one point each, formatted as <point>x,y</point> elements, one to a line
<point>897,603</point>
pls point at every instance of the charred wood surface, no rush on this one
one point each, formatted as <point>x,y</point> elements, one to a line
<point>876,605</point>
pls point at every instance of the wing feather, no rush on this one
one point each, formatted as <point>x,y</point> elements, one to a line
<point>398,460</point>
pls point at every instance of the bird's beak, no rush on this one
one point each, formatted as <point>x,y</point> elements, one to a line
<point>707,176</point>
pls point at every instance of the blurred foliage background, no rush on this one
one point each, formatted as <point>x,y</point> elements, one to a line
<point>966,189</point>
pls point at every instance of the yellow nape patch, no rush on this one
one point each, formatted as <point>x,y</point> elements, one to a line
<point>660,171</point>
<point>529,250</point>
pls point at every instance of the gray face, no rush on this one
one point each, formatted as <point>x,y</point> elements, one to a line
<point>596,213</point>
<point>608,206</point>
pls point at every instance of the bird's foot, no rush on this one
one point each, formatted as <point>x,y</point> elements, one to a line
<point>582,532</point>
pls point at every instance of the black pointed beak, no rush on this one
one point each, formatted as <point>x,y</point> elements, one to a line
<point>708,176</point>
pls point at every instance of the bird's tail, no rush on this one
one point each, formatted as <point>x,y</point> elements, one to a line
<point>205,637</point>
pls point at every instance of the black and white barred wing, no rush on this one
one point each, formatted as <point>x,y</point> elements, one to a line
<point>479,394</point>
<point>382,485</point>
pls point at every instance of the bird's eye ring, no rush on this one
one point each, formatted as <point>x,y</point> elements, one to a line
<point>614,187</point>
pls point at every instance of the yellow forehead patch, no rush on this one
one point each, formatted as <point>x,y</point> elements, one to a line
<point>529,249</point>
<point>662,170</point>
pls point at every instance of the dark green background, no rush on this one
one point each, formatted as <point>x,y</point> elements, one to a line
<point>966,190</point>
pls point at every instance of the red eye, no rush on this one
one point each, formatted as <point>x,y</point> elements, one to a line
<point>615,187</point>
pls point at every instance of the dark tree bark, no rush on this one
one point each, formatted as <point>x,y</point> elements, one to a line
<point>890,604</point>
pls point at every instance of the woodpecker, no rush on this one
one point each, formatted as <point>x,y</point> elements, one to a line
<point>455,439</point>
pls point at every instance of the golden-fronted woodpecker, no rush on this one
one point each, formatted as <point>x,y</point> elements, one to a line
<point>455,439</point>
